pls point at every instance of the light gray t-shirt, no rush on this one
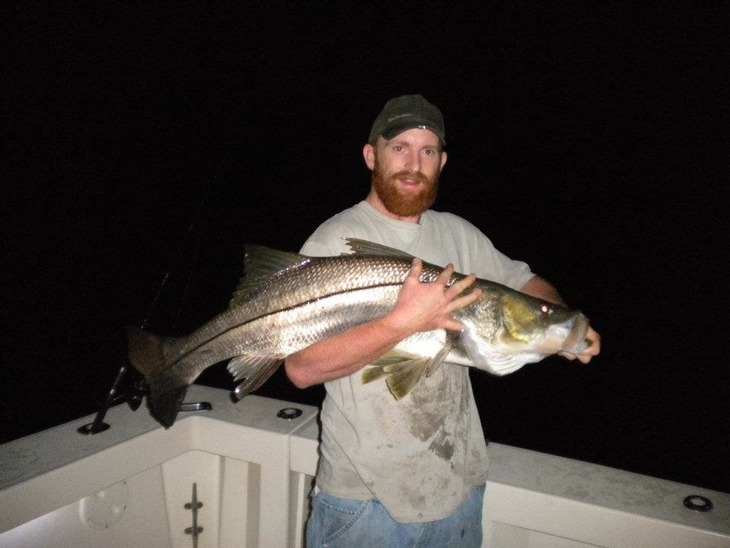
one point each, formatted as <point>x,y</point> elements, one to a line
<point>419,456</point>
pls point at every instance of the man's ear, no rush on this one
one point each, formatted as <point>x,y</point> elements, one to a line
<point>368,152</point>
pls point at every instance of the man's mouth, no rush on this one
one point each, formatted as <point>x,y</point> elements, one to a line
<point>411,179</point>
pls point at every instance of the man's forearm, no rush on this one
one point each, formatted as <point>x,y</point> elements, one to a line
<point>342,354</point>
<point>542,289</point>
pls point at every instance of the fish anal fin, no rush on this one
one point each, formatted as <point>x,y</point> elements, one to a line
<point>254,370</point>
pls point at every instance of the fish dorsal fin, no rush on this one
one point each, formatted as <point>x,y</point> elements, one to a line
<point>259,265</point>
<point>364,247</point>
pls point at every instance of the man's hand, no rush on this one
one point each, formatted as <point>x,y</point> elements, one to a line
<point>542,289</point>
<point>594,348</point>
<point>429,306</point>
<point>420,307</point>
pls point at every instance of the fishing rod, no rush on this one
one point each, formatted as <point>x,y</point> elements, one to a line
<point>134,396</point>
<point>178,258</point>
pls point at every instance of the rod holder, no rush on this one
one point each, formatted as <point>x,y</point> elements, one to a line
<point>98,425</point>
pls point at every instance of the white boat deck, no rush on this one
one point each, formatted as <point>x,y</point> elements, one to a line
<point>252,471</point>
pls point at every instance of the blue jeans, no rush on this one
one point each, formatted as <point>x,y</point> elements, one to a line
<point>344,523</point>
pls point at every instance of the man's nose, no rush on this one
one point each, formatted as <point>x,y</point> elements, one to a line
<point>413,161</point>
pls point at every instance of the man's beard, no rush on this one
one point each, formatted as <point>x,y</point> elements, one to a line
<point>410,205</point>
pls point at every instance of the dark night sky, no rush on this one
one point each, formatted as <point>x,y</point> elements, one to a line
<point>141,139</point>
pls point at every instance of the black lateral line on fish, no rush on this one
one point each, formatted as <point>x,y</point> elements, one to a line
<point>278,311</point>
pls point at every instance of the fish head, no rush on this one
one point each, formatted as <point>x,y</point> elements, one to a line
<point>540,326</point>
<point>507,329</point>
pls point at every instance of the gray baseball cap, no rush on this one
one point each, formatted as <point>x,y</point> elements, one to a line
<point>407,112</point>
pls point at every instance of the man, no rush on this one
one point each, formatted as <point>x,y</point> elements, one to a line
<point>397,473</point>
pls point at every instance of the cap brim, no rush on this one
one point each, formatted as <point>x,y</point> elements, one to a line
<point>412,123</point>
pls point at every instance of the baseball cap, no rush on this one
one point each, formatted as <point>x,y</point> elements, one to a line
<point>407,112</point>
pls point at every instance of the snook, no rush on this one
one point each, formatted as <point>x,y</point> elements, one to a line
<point>286,302</point>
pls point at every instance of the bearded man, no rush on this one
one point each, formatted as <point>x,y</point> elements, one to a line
<point>408,472</point>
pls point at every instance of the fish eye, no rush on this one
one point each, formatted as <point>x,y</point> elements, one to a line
<point>545,309</point>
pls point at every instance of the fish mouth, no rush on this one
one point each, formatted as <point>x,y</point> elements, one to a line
<point>568,336</point>
<point>576,342</point>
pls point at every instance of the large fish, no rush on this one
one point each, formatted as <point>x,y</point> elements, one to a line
<point>286,302</point>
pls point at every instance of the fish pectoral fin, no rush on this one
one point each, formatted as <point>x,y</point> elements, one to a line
<point>403,377</point>
<point>394,357</point>
<point>403,370</point>
<point>376,370</point>
<point>254,371</point>
<point>372,373</point>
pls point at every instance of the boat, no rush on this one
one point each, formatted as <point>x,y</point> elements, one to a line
<point>239,474</point>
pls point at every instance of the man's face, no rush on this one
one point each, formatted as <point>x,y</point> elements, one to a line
<point>406,171</point>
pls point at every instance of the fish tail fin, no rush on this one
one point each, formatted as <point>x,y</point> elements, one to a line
<point>146,351</point>
<point>167,388</point>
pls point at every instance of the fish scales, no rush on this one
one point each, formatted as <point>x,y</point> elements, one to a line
<point>329,294</point>
<point>287,302</point>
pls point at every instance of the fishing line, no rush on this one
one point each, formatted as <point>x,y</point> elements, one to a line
<point>174,266</point>
<point>217,186</point>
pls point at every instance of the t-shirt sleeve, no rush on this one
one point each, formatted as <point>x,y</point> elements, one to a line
<point>328,240</point>
<point>509,272</point>
<point>486,261</point>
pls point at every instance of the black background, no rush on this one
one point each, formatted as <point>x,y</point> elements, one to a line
<point>149,139</point>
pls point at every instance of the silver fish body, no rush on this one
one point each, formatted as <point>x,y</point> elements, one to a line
<point>287,301</point>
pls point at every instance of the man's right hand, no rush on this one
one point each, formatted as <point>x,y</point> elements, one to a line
<point>428,306</point>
